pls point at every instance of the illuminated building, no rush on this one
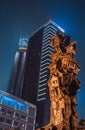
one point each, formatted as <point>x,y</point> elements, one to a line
<point>15,113</point>
<point>18,69</point>
<point>35,89</point>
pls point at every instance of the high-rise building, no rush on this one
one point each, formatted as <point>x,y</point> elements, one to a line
<point>17,75</point>
<point>35,89</point>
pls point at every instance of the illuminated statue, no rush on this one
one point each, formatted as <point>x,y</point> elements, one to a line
<point>63,84</point>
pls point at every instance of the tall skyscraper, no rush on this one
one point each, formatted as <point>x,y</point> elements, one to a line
<point>35,89</point>
<point>17,75</point>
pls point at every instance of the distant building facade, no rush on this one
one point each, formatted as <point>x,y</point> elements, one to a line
<point>18,69</point>
<point>16,113</point>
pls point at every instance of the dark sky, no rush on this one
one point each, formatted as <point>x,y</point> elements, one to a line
<point>20,18</point>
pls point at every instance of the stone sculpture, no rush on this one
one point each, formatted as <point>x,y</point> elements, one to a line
<point>63,84</point>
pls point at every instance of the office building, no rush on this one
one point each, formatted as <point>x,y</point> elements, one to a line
<point>16,113</point>
<point>18,69</point>
<point>35,88</point>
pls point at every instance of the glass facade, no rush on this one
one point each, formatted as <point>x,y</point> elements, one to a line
<point>15,112</point>
<point>31,79</point>
<point>17,75</point>
<point>35,89</point>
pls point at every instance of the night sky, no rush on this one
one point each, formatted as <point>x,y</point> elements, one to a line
<point>20,18</point>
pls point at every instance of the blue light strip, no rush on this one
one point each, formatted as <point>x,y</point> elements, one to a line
<point>22,106</point>
<point>9,101</point>
<point>0,97</point>
<point>14,103</point>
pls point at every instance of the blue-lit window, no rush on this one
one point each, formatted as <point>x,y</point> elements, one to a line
<point>9,101</point>
<point>22,106</point>
<point>0,97</point>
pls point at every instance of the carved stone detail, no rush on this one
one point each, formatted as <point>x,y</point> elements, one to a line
<point>63,83</point>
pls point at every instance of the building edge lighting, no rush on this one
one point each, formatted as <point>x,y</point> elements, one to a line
<point>49,22</point>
